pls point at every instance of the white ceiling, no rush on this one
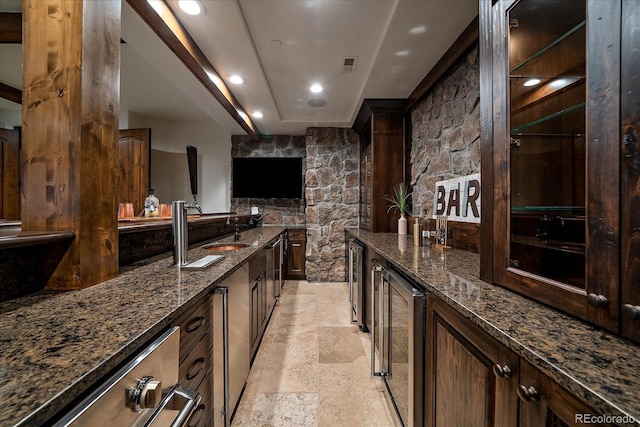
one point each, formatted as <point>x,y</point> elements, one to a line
<point>396,43</point>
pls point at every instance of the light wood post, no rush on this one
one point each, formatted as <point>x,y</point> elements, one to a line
<point>71,78</point>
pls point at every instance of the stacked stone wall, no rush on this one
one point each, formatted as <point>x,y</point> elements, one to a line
<point>445,140</point>
<point>332,197</point>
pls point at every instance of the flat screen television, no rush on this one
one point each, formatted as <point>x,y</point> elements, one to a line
<point>267,177</point>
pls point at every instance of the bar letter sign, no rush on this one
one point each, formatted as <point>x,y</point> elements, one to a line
<point>458,198</point>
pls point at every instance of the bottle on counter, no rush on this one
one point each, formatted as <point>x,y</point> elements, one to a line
<point>416,231</point>
<point>151,204</point>
<point>426,231</point>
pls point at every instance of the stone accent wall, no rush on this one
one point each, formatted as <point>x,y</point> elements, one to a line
<point>445,140</point>
<point>278,211</point>
<point>332,196</point>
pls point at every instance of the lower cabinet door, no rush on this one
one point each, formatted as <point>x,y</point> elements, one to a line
<point>543,402</point>
<point>471,378</point>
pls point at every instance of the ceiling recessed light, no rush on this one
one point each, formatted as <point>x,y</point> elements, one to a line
<point>315,88</point>
<point>317,103</point>
<point>403,52</point>
<point>258,114</point>
<point>276,43</point>
<point>531,82</point>
<point>190,7</point>
<point>236,79</point>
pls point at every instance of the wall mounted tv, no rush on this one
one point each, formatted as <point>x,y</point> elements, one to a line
<point>267,177</point>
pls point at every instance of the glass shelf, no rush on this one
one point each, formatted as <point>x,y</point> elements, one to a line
<point>555,42</point>
<point>549,117</point>
<point>546,208</point>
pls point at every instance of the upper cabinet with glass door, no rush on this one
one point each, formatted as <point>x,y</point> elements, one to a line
<point>547,139</point>
<point>554,109</point>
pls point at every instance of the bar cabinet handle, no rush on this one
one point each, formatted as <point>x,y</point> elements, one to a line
<point>631,311</point>
<point>528,393</point>
<point>595,300</point>
<point>502,371</point>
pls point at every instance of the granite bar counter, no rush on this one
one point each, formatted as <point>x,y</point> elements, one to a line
<point>599,367</point>
<point>55,349</point>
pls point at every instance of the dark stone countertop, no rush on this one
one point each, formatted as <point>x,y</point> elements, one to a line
<point>599,367</point>
<point>56,348</point>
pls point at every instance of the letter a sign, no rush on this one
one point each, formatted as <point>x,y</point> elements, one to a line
<point>458,198</point>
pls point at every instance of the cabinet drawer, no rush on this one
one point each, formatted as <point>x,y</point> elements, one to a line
<point>196,365</point>
<point>203,415</point>
<point>298,235</point>
<point>194,324</point>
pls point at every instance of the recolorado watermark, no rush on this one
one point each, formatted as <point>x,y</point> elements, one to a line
<point>604,419</point>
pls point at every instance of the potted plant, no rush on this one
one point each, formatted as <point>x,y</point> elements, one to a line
<point>400,202</point>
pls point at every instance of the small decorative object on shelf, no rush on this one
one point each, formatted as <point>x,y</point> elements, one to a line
<point>400,201</point>
<point>425,227</point>
<point>441,233</point>
<point>416,232</point>
<point>151,204</point>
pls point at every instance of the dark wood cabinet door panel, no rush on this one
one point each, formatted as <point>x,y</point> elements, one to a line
<point>9,174</point>
<point>472,377</point>
<point>630,173</point>
<point>133,165</point>
<point>296,255</point>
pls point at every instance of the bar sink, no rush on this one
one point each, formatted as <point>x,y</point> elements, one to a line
<point>220,247</point>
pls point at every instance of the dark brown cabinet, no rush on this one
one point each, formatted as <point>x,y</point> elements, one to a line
<point>460,366</point>
<point>296,249</point>
<point>559,151</point>
<point>196,357</point>
<point>380,125</point>
<point>9,174</point>
<point>473,380</point>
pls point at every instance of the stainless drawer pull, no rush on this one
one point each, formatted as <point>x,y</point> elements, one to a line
<point>195,368</point>
<point>198,416</point>
<point>195,324</point>
<point>177,395</point>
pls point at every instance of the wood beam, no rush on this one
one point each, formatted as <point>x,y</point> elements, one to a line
<point>173,34</point>
<point>10,93</point>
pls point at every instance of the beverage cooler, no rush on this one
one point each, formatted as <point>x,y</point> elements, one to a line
<point>398,342</point>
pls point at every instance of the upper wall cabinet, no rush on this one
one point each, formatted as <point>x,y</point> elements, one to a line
<point>380,125</point>
<point>564,162</point>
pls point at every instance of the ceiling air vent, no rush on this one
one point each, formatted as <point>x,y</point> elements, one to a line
<point>349,64</point>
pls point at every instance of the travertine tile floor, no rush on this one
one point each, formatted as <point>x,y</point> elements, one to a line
<point>313,366</point>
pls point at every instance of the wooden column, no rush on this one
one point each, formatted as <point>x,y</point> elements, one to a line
<point>71,76</point>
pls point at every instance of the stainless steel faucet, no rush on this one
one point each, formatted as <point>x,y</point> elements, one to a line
<point>180,229</point>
